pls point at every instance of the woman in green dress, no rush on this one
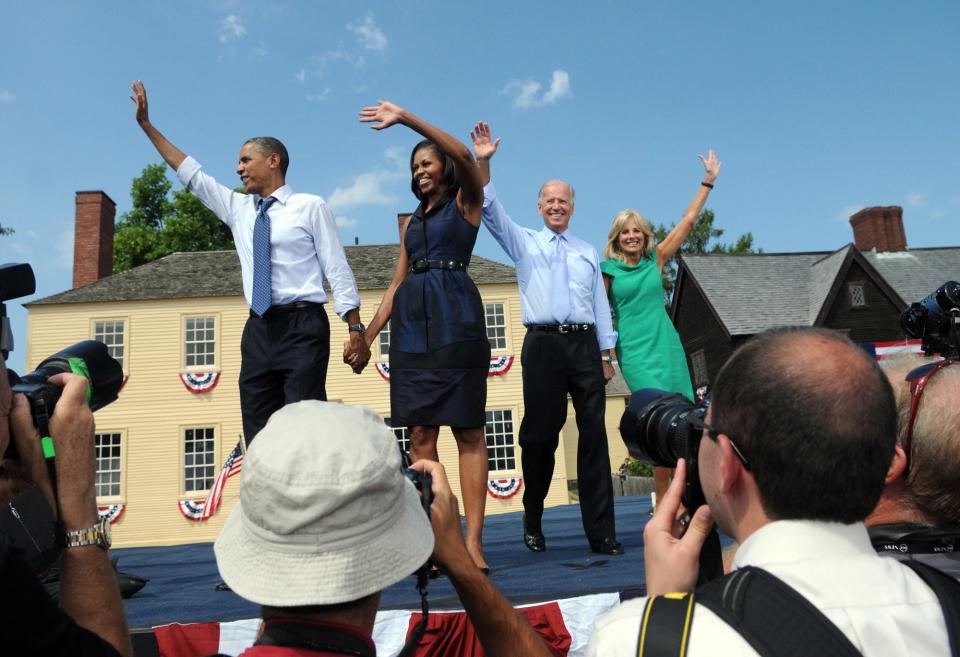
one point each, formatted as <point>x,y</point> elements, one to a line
<point>648,348</point>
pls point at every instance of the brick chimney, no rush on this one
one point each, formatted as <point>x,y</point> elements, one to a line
<point>93,237</point>
<point>879,228</point>
<point>401,219</point>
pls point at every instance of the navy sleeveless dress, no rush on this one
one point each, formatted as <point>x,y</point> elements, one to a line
<point>439,351</point>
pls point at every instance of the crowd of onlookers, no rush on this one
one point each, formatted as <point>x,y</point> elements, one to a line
<point>814,458</point>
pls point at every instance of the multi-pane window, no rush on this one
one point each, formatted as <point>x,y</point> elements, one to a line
<point>109,467</point>
<point>496,325</point>
<point>698,362</point>
<point>198,459</point>
<point>501,448</point>
<point>199,341</point>
<point>383,339</point>
<point>857,297</point>
<point>402,434</point>
<point>110,333</point>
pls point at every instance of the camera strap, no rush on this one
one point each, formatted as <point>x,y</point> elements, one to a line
<point>771,616</point>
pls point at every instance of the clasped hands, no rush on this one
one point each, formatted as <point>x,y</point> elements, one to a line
<point>356,352</point>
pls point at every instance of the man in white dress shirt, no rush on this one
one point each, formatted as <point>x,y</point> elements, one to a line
<point>287,243</point>
<point>796,444</point>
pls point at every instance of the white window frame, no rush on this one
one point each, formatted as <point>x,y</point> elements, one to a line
<point>383,341</point>
<point>212,354</point>
<point>402,434</point>
<point>102,335</point>
<point>498,310</point>
<point>508,441</point>
<point>209,457</point>
<point>117,473</point>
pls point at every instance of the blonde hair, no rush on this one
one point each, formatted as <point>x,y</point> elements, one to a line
<point>612,250</point>
<point>931,484</point>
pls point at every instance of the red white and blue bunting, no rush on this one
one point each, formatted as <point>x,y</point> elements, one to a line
<point>197,382</point>
<point>499,365</point>
<point>193,509</point>
<point>111,512</point>
<point>504,489</point>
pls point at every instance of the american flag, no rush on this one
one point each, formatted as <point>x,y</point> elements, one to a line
<point>231,466</point>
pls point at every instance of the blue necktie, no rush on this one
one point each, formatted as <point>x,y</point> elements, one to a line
<point>262,295</point>
<point>560,283</point>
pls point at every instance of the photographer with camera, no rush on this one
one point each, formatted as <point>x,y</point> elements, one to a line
<point>791,455</point>
<point>918,515</point>
<point>322,527</point>
<point>91,620</point>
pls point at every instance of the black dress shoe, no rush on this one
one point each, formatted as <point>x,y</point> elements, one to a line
<point>607,545</point>
<point>534,541</point>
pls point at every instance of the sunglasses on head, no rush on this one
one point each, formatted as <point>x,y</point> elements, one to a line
<point>918,379</point>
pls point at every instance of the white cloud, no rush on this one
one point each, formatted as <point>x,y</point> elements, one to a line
<point>321,97</point>
<point>300,75</point>
<point>231,28</point>
<point>6,97</point>
<point>527,94</point>
<point>850,210</point>
<point>346,222</point>
<point>369,34</point>
<point>917,200</point>
<point>320,62</point>
<point>397,156</point>
<point>366,189</point>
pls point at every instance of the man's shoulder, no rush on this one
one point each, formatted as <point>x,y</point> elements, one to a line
<point>618,631</point>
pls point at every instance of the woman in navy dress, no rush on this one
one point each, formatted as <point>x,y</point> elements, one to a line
<point>439,351</point>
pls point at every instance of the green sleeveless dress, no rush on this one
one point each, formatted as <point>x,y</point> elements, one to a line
<point>648,347</point>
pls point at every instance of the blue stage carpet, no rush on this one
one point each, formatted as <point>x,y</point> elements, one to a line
<point>182,578</point>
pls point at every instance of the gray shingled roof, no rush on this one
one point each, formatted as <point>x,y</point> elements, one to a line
<point>915,273</point>
<point>753,292</point>
<point>217,274</point>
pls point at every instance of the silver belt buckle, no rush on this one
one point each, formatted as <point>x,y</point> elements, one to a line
<point>563,329</point>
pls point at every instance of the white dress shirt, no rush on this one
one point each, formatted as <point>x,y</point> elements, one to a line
<point>305,243</point>
<point>882,606</point>
<point>532,251</point>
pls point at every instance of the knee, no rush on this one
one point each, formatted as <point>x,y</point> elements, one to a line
<point>423,438</point>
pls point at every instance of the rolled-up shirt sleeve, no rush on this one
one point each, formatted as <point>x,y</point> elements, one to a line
<point>221,200</point>
<point>333,262</point>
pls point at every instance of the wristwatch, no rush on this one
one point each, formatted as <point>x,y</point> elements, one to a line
<point>99,534</point>
<point>358,328</point>
<point>606,359</point>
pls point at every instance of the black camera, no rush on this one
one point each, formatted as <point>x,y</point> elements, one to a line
<point>935,320</point>
<point>660,427</point>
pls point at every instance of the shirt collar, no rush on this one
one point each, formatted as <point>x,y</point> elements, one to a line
<point>282,194</point>
<point>548,236</point>
<point>786,541</point>
<point>442,203</point>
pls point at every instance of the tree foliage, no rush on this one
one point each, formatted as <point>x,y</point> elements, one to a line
<point>159,224</point>
<point>699,241</point>
<point>5,231</point>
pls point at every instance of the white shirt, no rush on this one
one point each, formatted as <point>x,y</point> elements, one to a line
<point>532,251</point>
<point>882,606</point>
<point>305,243</point>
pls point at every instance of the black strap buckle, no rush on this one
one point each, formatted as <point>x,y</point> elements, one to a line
<point>420,265</point>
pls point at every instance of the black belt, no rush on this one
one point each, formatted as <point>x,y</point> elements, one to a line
<point>421,265</point>
<point>286,308</point>
<point>559,328</point>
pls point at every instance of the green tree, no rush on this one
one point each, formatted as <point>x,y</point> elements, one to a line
<point>5,231</point>
<point>159,225</point>
<point>699,241</point>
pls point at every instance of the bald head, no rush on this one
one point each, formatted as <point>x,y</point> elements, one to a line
<point>815,416</point>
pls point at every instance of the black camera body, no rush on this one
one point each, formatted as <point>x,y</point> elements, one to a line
<point>657,428</point>
<point>935,320</point>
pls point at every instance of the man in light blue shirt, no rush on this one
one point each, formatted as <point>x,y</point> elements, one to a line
<point>568,349</point>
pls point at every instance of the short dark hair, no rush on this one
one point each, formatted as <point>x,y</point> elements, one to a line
<point>818,425</point>
<point>449,173</point>
<point>270,145</point>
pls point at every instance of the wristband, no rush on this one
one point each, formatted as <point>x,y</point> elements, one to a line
<point>707,185</point>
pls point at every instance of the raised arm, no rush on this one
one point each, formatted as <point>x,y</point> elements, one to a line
<point>470,197</point>
<point>484,148</point>
<point>502,631</point>
<point>671,244</point>
<point>170,153</point>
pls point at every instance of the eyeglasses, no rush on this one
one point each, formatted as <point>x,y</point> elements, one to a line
<point>701,424</point>
<point>918,379</point>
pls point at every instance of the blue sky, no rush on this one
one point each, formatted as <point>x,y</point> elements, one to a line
<point>816,109</point>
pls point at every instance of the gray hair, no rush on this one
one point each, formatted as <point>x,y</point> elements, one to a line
<point>270,145</point>
<point>573,194</point>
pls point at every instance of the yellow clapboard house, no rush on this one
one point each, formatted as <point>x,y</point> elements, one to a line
<point>175,326</point>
